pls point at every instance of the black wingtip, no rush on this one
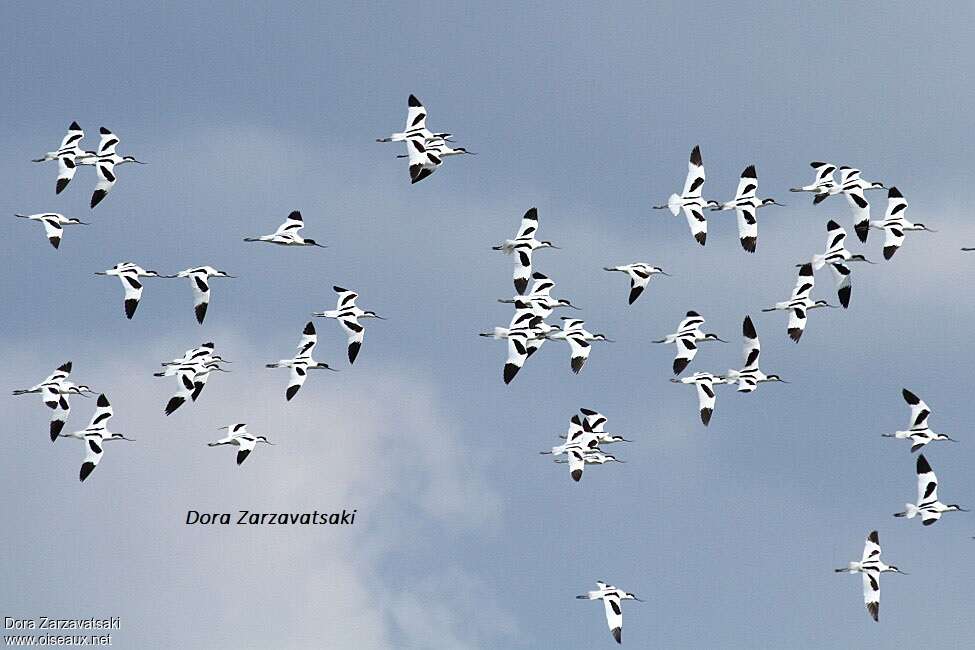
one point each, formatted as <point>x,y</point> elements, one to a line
<point>577,363</point>
<point>819,198</point>
<point>102,401</point>
<point>354,350</point>
<point>874,537</point>
<point>62,183</point>
<point>922,465</point>
<point>86,469</point>
<point>173,404</point>
<point>201,312</point>
<point>680,365</point>
<point>894,193</point>
<point>692,314</point>
<point>748,328</point>
<point>749,244</point>
<point>576,475</point>
<point>832,225</point>
<point>510,370</point>
<point>414,102</point>
<point>104,131</point>
<point>706,415</point>
<point>910,397</point>
<point>618,634</point>
<point>295,215</point>
<point>521,284</point>
<point>844,296</point>
<point>701,237</point>
<point>65,367</point>
<point>56,427</point>
<point>889,252</point>
<point>291,392</point>
<point>806,269</point>
<point>863,231</point>
<point>130,307</point>
<point>55,241</point>
<point>696,155</point>
<point>795,334</point>
<point>749,172</point>
<point>337,289</point>
<point>74,127</point>
<point>97,196</point>
<point>635,293</point>
<point>242,455</point>
<point>309,329</point>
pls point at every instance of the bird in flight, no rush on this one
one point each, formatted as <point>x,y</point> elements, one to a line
<point>640,275</point>
<point>690,201</point>
<point>95,435</point>
<point>54,391</point>
<point>612,598</point>
<point>871,566</point>
<point>852,186</point>
<point>894,224</point>
<point>824,181</point>
<point>750,375</point>
<point>838,258</point>
<point>67,155</point>
<point>54,224</point>
<point>105,160</point>
<point>746,204</point>
<point>287,233</point>
<point>919,432</point>
<point>129,273</point>
<point>238,436</point>
<point>928,506</point>
<point>200,279</point>
<point>800,303</point>
<point>686,338</point>
<point>348,315</point>
<point>522,247</point>
<point>302,362</point>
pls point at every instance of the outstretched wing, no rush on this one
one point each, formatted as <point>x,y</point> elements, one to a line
<point>844,288</point>
<point>893,238</point>
<point>579,348</point>
<point>797,323</point>
<point>861,212</point>
<point>308,340</point>
<point>705,397</point>
<point>59,416</point>
<point>747,228</point>
<point>53,230</point>
<point>93,454</point>
<point>804,283</point>
<point>529,225</point>
<point>106,181</point>
<point>201,295</point>
<point>871,547</point>
<point>614,616</point>
<point>752,348</point>
<point>416,115</point>
<point>686,351</point>
<point>747,184</point>
<point>108,142</point>
<point>871,592</point>
<point>133,291</point>
<point>299,372</point>
<point>697,222</point>
<point>927,482</point>
<point>246,444</point>
<point>919,410</point>
<point>694,182</point>
<point>355,331</point>
<point>523,267</point>
<point>517,353</point>
<point>291,225</point>
<point>103,413</point>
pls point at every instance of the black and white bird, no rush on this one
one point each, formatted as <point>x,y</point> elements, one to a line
<point>66,155</point>
<point>192,372</point>
<point>690,201</point>
<point>540,297</point>
<point>750,375</point>
<point>838,258</point>
<point>95,435</point>
<point>302,361</point>
<point>426,155</point>
<point>522,247</point>
<point>129,273</point>
<point>640,275</point>
<point>800,303</point>
<point>105,160</point>
<point>288,233</point>
<point>612,598</point>
<point>416,124</point>
<point>203,352</point>
<point>238,436</point>
<point>595,422</point>
<point>871,566</point>
<point>54,391</point>
<point>520,334</point>
<point>686,338</point>
<point>348,315</point>
<point>746,204</point>
<point>580,341</point>
<point>928,506</point>
<point>853,187</point>
<point>54,224</point>
<point>200,279</point>
<point>824,181</point>
<point>894,224</point>
<point>578,458</point>
<point>919,432</point>
<point>705,383</point>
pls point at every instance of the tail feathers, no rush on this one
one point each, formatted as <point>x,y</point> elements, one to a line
<point>910,511</point>
<point>673,204</point>
<point>818,262</point>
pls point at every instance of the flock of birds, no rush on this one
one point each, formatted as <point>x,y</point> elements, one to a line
<point>528,328</point>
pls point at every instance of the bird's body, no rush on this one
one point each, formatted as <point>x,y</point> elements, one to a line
<point>540,297</point>
<point>825,179</point>
<point>348,315</point>
<point>705,383</point>
<point>852,186</point>
<point>105,160</point>
<point>640,275</point>
<point>416,124</point>
<point>522,247</point>
<point>919,432</point>
<point>239,437</point>
<point>199,277</point>
<point>53,223</point>
<point>871,566</point>
<point>522,335</point>
<point>746,204</point>
<point>928,506</point>
<point>66,155</point>
<point>686,338</point>
<point>302,362</point>
<point>750,375</point>
<point>95,435</point>
<point>800,303</point>
<point>54,391</point>
<point>690,200</point>
<point>288,233</point>
<point>838,258</point>
<point>128,274</point>
<point>611,597</point>
<point>192,372</point>
<point>574,333</point>
<point>427,155</point>
<point>894,224</point>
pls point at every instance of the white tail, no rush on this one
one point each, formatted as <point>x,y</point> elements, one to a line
<point>910,510</point>
<point>674,204</point>
<point>818,261</point>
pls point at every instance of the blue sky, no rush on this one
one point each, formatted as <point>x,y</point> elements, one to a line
<point>465,536</point>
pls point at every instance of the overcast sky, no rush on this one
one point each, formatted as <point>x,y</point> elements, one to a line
<point>465,537</point>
